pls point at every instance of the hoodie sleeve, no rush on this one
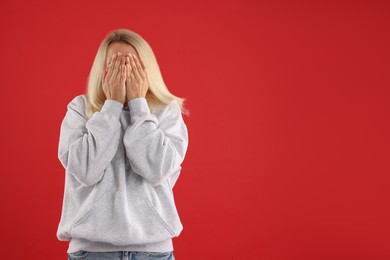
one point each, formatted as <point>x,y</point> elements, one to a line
<point>155,149</point>
<point>87,146</point>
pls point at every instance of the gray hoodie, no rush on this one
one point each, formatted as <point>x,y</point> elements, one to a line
<point>120,168</point>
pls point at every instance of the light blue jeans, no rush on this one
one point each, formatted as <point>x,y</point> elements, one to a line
<point>120,255</point>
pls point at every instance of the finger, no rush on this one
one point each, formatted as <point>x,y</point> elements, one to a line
<point>122,61</point>
<point>111,66</point>
<point>105,73</point>
<point>139,67</point>
<point>132,69</point>
<point>128,67</point>
<point>137,64</point>
<point>117,65</point>
<point>135,69</point>
<point>128,70</point>
<point>123,73</point>
<point>132,77</point>
<point>143,67</point>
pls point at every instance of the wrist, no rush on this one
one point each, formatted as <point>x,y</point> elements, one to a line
<point>132,97</point>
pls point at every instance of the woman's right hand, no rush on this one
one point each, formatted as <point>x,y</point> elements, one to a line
<point>114,79</point>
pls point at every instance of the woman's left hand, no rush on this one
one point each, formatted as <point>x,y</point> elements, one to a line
<point>136,78</point>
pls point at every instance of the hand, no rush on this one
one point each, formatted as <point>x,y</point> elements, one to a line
<point>114,78</point>
<point>136,78</point>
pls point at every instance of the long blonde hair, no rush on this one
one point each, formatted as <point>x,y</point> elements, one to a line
<point>157,94</point>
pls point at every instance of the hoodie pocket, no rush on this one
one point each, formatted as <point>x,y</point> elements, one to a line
<point>161,202</point>
<point>121,220</point>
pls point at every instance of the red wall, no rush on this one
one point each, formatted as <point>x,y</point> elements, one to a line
<point>288,152</point>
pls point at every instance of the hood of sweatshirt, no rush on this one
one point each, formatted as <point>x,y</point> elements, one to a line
<point>120,168</point>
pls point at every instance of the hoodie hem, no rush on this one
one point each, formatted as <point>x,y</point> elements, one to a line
<point>77,244</point>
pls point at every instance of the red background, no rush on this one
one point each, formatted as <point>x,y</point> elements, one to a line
<point>288,152</point>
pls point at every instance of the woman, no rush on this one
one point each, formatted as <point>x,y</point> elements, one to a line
<point>122,145</point>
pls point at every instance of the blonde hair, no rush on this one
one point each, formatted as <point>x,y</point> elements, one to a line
<point>157,94</point>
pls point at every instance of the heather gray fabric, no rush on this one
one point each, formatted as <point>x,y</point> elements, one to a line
<point>120,168</point>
